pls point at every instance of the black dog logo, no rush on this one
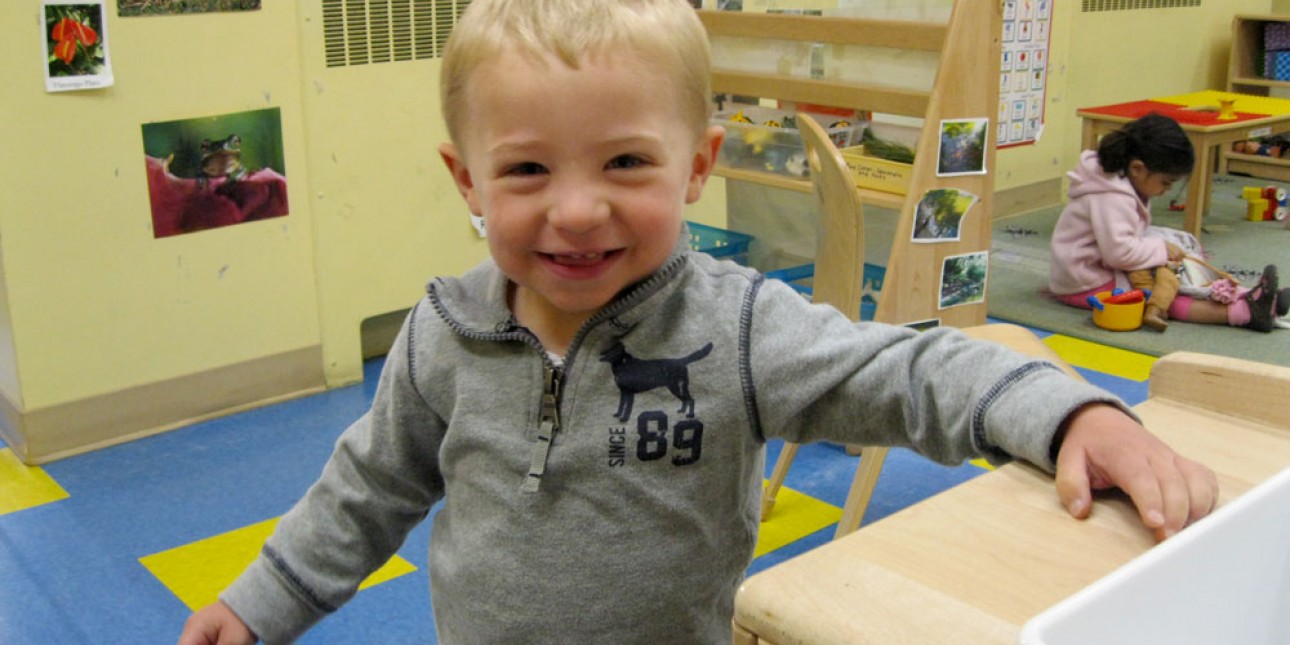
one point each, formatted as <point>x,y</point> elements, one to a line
<point>635,375</point>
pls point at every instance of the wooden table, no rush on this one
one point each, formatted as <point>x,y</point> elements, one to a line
<point>1196,112</point>
<point>973,564</point>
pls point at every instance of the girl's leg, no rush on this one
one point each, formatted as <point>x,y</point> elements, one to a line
<point>1192,310</point>
<point>1080,300</point>
<point>1255,310</point>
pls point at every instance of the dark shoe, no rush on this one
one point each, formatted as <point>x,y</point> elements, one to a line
<point>1263,301</point>
<point>1154,318</point>
<point>1283,302</point>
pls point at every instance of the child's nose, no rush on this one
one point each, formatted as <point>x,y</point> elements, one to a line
<point>578,210</point>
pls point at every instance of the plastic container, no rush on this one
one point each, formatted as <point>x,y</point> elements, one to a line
<point>719,242</point>
<point>766,139</point>
<point>876,173</point>
<point>1276,35</point>
<point>800,279</point>
<point>1117,317</point>
<point>1225,579</point>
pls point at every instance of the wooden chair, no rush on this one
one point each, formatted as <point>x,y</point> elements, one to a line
<point>839,277</point>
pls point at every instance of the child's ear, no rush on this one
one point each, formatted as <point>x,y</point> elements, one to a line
<point>1137,169</point>
<point>460,175</point>
<point>705,159</point>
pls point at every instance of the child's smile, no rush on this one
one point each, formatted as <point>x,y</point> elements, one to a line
<point>581,266</point>
<point>581,175</point>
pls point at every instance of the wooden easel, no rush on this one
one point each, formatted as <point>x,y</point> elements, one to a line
<point>966,86</point>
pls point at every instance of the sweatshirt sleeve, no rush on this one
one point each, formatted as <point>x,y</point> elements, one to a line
<point>379,483</point>
<point>818,376</point>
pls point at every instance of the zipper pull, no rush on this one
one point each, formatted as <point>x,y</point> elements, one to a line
<point>549,423</point>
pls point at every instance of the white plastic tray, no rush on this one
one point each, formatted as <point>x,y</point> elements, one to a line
<point>1226,579</point>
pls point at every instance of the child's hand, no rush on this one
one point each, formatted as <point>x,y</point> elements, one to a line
<point>1174,252</point>
<point>1104,447</point>
<point>216,625</point>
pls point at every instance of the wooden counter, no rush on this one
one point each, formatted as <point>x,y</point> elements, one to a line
<point>973,564</point>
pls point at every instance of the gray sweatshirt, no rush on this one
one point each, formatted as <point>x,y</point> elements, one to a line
<point>615,500</point>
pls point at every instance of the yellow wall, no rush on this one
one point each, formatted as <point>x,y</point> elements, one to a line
<point>96,303</point>
<point>387,215</point>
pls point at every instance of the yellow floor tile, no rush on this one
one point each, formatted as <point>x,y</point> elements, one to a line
<point>795,516</point>
<point>23,486</point>
<point>1108,360</point>
<point>197,572</point>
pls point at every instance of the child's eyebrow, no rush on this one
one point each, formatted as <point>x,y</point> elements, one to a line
<point>628,141</point>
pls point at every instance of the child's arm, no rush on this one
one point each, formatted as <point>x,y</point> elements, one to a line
<point>216,625</point>
<point>1103,448</point>
<point>1120,242</point>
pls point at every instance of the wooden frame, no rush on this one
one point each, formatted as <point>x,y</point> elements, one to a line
<point>966,86</point>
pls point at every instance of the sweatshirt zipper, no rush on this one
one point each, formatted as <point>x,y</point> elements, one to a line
<point>549,416</point>
<point>549,424</point>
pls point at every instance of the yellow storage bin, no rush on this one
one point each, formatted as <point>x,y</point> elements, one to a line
<point>875,173</point>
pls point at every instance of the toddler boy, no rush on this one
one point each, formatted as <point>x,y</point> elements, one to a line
<point>592,404</point>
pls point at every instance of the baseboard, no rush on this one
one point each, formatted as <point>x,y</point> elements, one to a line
<point>378,332</point>
<point>1030,197</point>
<point>59,431</point>
<point>10,424</point>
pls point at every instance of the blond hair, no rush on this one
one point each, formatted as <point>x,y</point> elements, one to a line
<point>665,33</point>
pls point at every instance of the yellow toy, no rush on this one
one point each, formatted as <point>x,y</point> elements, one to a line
<point>1225,110</point>
<point>1117,316</point>
<point>1266,203</point>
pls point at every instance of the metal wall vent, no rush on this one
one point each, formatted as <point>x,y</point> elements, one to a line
<point>358,32</point>
<point>1128,5</point>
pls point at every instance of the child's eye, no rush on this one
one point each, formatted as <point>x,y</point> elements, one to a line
<point>525,168</point>
<point>622,162</point>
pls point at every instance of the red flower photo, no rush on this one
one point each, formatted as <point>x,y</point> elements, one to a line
<point>73,39</point>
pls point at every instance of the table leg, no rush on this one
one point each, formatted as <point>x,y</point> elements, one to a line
<point>1198,188</point>
<point>1088,135</point>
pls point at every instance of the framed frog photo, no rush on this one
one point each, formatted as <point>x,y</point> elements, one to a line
<point>215,171</point>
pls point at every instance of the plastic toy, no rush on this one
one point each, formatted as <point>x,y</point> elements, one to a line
<point>1265,204</point>
<point>1118,310</point>
<point>1225,109</point>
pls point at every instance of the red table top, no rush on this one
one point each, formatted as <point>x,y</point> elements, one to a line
<point>1179,113</point>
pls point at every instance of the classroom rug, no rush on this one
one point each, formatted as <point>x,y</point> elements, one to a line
<point>1018,279</point>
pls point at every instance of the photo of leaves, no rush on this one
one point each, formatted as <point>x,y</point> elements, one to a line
<point>128,8</point>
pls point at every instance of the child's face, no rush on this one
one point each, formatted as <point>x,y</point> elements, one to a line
<point>581,175</point>
<point>1149,184</point>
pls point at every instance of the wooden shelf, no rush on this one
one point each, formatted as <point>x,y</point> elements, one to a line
<point>874,197</point>
<point>1235,84</point>
<point>966,85</point>
<point>1246,59</point>
<point>1256,166</point>
<point>1243,65</point>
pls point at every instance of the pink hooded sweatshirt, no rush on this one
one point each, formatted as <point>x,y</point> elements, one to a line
<point>1100,234</point>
